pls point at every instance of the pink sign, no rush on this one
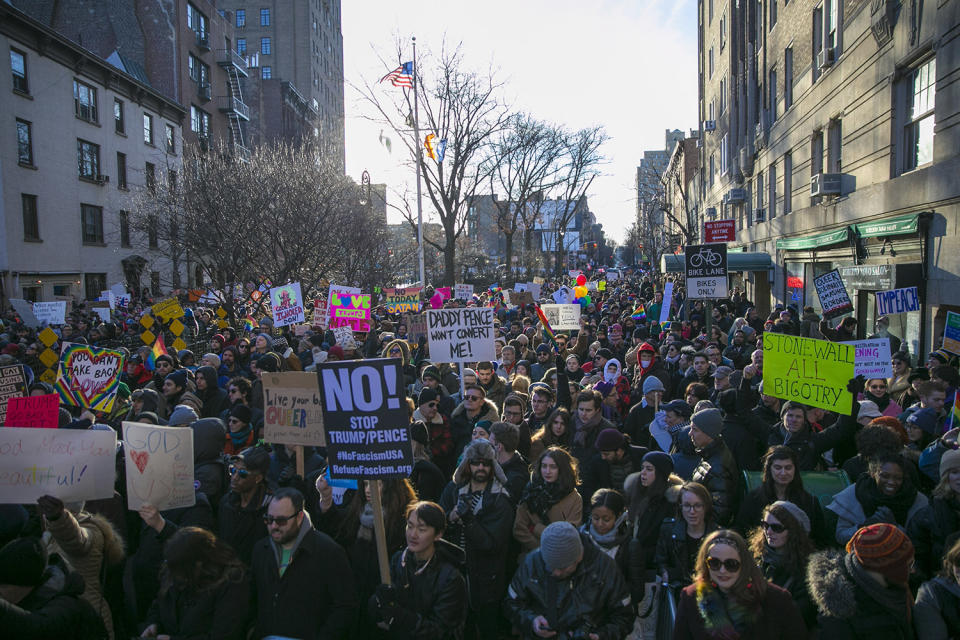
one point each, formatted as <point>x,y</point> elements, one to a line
<point>350,310</point>
<point>35,412</point>
<point>440,295</point>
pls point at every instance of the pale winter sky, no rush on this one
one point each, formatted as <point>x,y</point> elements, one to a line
<point>629,65</point>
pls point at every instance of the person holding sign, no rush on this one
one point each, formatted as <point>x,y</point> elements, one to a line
<point>794,431</point>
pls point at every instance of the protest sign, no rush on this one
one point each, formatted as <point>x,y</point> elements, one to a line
<point>286,305</point>
<point>292,411</point>
<point>591,285</point>
<point>539,280</point>
<point>417,328</point>
<point>564,295</point>
<point>338,486</point>
<point>534,289</point>
<point>706,269</point>
<point>159,466</point>
<point>88,376</point>
<point>321,317</point>
<point>69,464</point>
<point>365,419</point>
<point>872,358</point>
<point>562,317</point>
<point>336,289</point>
<point>521,297</point>
<point>888,302</point>
<point>405,300</point>
<point>814,372</point>
<point>33,412</point>
<point>520,286</point>
<point>342,334</point>
<point>13,384</point>
<point>463,291</point>
<point>350,310</point>
<point>601,285</point>
<point>440,295</point>
<point>166,310</point>
<point>574,273</point>
<point>613,276</point>
<point>50,312</point>
<point>102,312</point>
<point>667,303</point>
<point>25,310</point>
<point>951,333</point>
<point>833,295</point>
<point>109,297</point>
<point>461,335</point>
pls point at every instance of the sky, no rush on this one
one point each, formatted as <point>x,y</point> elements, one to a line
<point>628,65</point>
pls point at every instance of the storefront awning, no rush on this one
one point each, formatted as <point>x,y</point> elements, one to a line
<point>900,225</point>
<point>736,262</point>
<point>812,242</point>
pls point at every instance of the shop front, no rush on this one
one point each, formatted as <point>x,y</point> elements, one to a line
<point>751,272</point>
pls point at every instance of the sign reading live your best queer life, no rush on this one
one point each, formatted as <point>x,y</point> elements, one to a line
<point>159,466</point>
<point>833,295</point>
<point>814,372</point>
<point>406,300</point>
<point>461,335</point>
<point>897,301</point>
<point>292,409</point>
<point>89,377</point>
<point>286,305</point>
<point>70,464</point>
<point>365,419</point>
<point>13,384</point>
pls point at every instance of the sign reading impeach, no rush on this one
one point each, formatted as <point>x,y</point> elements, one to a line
<point>814,372</point>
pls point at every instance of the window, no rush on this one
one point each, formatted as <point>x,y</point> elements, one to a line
<point>94,284</point>
<point>124,228</point>
<point>85,101</point>
<point>723,95</point>
<point>723,32</point>
<point>817,40</point>
<point>710,63</point>
<point>88,159</point>
<point>121,170</point>
<point>119,125</point>
<point>18,66</point>
<point>724,150</point>
<point>772,87</point>
<point>92,221</point>
<point>265,46</point>
<point>264,17</point>
<point>712,110</point>
<point>772,199</point>
<point>242,46</point>
<point>787,182</point>
<point>199,71</point>
<point>241,18</point>
<point>24,143</point>
<point>773,13</point>
<point>171,139</point>
<point>920,88</point>
<point>31,221</point>
<point>835,146</point>
<point>199,122</point>
<point>150,176</point>
<point>266,72</point>
<point>831,17</point>
<point>155,283</point>
<point>816,153</point>
<point>787,78</point>
<point>713,169</point>
<point>152,239</point>
<point>147,128</point>
<point>759,189</point>
<point>710,6</point>
<point>196,21</point>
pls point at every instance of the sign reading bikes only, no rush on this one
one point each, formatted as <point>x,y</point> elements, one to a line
<point>706,271</point>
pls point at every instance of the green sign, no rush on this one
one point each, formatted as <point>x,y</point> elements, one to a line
<point>899,225</point>
<point>814,241</point>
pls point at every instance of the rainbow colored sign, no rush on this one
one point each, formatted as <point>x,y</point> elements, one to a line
<point>89,377</point>
<point>350,310</point>
<point>286,304</point>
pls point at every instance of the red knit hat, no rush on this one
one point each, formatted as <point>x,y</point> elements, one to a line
<point>883,548</point>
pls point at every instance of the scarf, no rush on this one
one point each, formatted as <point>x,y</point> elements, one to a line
<point>870,498</point>
<point>585,428</point>
<point>612,377</point>
<point>610,541</point>
<point>239,438</point>
<point>882,402</point>
<point>724,618</point>
<point>540,496</point>
<point>895,598</point>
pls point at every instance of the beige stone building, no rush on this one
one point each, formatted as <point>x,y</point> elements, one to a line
<point>830,135</point>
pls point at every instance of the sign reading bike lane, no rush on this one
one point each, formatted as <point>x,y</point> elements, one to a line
<point>365,417</point>
<point>706,271</point>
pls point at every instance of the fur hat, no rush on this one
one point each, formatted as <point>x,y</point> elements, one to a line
<point>479,449</point>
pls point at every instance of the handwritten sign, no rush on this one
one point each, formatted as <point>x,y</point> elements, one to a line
<point>564,295</point>
<point>13,384</point>
<point>889,302</point>
<point>292,411</point>
<point>70,464</point>
<point>402,300</point>
<point>286,305</point>
<point>336,289</point>
<point>814,372</point>
<point>166,310</point>
<point>461,335</point>
<point>872,358</point>
<point>417,328</point>
<point>463,291</point>
<point>50,312</point>
<point>350,310</point>
<point>562,317</point>
<point>88,376</point>
<point>321,319</point>
<point>159,465</point>
<point>33,412</point>
<point>519,298</point>
<point>365,418</point>
<point>342,334</point>
<point>534,289</point>
<point>25,310</point>
<point>951,333</point>
<point>833,295</point>
<point>667,303</point>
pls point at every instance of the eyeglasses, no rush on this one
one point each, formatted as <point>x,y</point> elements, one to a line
<point>692,507</point>
<point>773,526</point>
<point>730,564</point>
<point>471,397</point>
<point>481,463</point>
<point>280,520</point>
<point>243,346</point>
<point>432,404</point>
<point>234,420</point>
<point>243,473</point>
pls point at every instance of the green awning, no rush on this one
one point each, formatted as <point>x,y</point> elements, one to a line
<point>897,226</point>
<point>737,261</point>
<point>812,242</point>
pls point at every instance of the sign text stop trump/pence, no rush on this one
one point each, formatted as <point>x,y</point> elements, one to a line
<point>813,372</point>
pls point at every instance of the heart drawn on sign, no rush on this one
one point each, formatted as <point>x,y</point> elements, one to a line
<point>92,371</point>
<point>140,459</point>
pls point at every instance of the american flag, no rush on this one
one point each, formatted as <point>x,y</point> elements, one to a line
<point>402,76</point>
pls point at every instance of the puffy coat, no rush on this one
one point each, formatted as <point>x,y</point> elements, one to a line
<point>209,464</point>
<point>214,399</point>
<point>527,527</point>
<point>936,614</point>
<point>928,530</point>
<point>595,598</point>
<point>718,472</point>
<point>810,445</point>
<point>778,618</point>
<point>217,612</point>
<point>850,514</point>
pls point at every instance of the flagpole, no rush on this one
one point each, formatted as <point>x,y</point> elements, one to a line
<point>416,143</point>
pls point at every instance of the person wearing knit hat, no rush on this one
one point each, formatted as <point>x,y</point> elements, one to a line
<point>709,422</point>
<point>610,440</point>
<point>427,395</point>
<point>798,514</point>
<point>182,416</point>
<point>868,411</point>
<point>561,548</point>
<point>429,411</point>
<point>950,461</point>
<point>937,358</point>
<point>661,462</point>
<point>240,433</point>
<point>717,469</point>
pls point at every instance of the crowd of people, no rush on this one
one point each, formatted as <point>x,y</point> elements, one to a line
<point>627,479</point>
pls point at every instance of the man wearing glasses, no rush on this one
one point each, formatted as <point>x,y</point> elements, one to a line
<point>240,517</point>
<point>303,584</point>
<point>474,408</point>
<point>438,427</point>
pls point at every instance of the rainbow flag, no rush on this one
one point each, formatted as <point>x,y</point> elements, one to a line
<point>953,420</point>
<point>159,349</point>
<point>639,313</point>
<point>249,323</point>
<point>547,331</point>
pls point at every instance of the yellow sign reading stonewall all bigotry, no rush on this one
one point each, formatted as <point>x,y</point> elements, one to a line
<point>813,372</point>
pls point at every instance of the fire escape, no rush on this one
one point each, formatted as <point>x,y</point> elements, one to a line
<point>232,104</point>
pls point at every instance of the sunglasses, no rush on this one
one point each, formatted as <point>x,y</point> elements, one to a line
<point>773,526</point>
<point>243,473</point>
<point>481,463</point>
<point>432,404</point>
<point>280,520</point>
<point>730,564</point>
<point>471,397</point>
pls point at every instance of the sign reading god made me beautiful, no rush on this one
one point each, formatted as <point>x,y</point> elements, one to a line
<point>461,335</point>
<point>814,372</point>
<point>706,268</point>
<point>159,466</point>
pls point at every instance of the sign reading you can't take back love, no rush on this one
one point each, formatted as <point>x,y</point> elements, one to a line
<point>814,372</point>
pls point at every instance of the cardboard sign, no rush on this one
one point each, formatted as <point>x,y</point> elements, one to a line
<point>13,384</point>
<point>350,310</point>
<point>720,231</point>
<point>562,317</point>
<point>286,305</point>
<point>25,310</point>
<point>951,333</point>
<point>706,269</point>
<point>814,372</point>
<point>342,334</point>
<point>564,295</point>
<point>166,310</point>
<point>534,289</point>
<point>402,300</point>
<point>518,298</point>
<point>463,292</point>
<point>888,302</point>
<point>159,465</point>
<point>50,312</point>
<point>667,303</point>
<point>33,412</point>
<point>365,417</point>
<point>833,295</point>
<point>70,464</point>
<point>613,276</point>
<point>872,358</point>
<point>109,297</point>
<point>461,335</point>
<point>320,318</point>
<point>88,376</point>
<point>417,328</point>
<point>292,411</point>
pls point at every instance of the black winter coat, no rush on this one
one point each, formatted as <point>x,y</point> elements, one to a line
<point>937,610</point>
<point>517,471</point>
<point>242,527</point>
<point>214,613</point>
<point>596,474</point>
<point>810,445</point>
<point>673,552</point>
<point>719,473</point>
<point>928,530</point>
<point>751,511</point>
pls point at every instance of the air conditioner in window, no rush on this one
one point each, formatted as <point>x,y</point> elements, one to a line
<point>825,58</point>
<point>709,125</point>
<point>711,213</point>
<point>759,214</point>
<point>825,184</point>
<point>102,179</point>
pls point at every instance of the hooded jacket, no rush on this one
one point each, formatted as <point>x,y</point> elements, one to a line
<point>209,464</point>
<point>241,527</point>
<point>657,368</point>
<point>214,399</point>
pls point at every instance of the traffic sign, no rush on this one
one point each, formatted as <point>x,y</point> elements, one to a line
<point>720,230</point>
<point>706,271</point>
